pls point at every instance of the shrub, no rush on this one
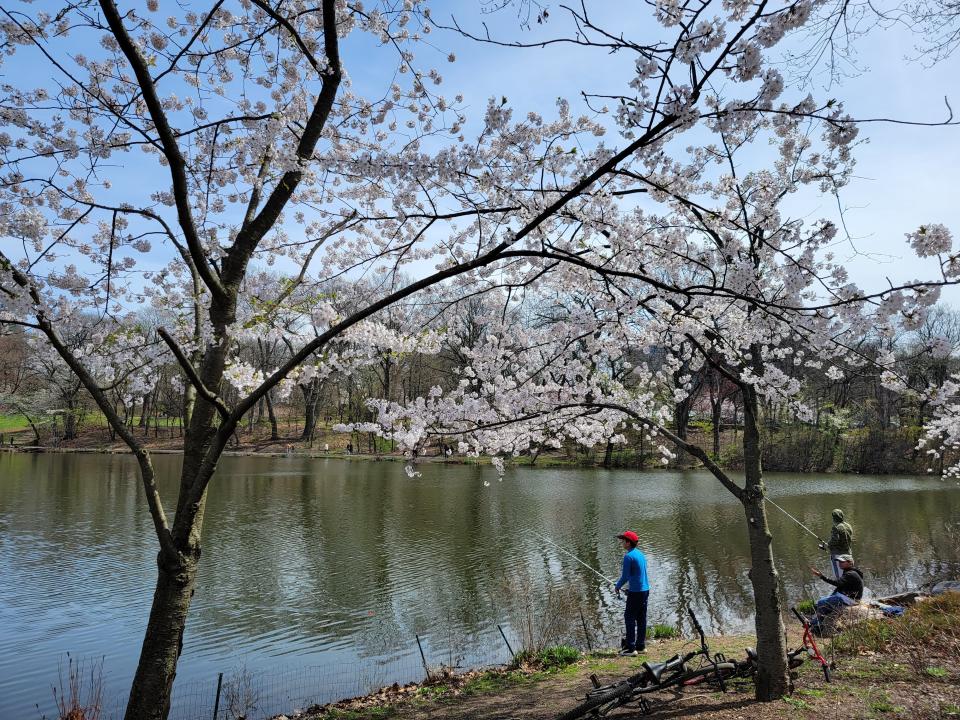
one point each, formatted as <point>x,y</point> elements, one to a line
<point>866,636</point>
<point>558,656</point>
<point>549,658</point>
<point>931,623</point>
<point>661,631</point>
<point>76,697</point>
<point>548,618</point>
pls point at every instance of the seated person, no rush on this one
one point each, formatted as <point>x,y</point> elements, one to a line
<point>849,587</point>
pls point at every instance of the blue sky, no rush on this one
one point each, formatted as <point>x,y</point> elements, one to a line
<point>905,175</point>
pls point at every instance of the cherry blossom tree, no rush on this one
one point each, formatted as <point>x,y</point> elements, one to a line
<point>219,140</point>
<point>724,281</point>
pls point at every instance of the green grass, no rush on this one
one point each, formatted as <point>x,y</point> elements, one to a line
<point>936,672</point>
<point>13,423</point>
<point>796,703</point>
<point>885,706</point>
<point>878,702</point>
<point>431,692</point>
<point>548,659</point>
<point>805,607</point>
<point>602,665</point>
<point>491,682</point>
<point>661,631</point>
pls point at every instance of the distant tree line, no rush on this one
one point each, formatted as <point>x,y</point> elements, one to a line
<point>858,423</point>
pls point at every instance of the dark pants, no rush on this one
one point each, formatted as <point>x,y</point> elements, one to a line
<point>635,618</point>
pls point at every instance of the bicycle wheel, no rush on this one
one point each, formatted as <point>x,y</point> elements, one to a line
<point>594,702</point>
<point>826,673</point>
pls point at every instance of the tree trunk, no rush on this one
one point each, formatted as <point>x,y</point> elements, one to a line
<point>681,424</point>
<point>772,682</point>
<point>311,397</point>
<point>163,641</point>
<point>189,400</point>
<point>716,418</point>
<point>274,429</point>
<point>681,418</point>
<point>608,454</point>
<point>144,412</point>
<point>36,430</point>
<point>69,423</point>
<point>309,422</point>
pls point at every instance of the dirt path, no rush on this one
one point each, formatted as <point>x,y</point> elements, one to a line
<point>864,686</point>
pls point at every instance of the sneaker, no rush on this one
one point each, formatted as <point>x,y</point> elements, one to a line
<point>629,653</point>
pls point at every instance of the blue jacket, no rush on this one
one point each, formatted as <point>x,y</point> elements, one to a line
<point>634,574</point>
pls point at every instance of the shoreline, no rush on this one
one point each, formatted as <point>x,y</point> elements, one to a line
<point>545,462</point>
<point>321,454</point>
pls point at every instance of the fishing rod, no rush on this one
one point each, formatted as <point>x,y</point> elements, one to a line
<point>571,555</point>
<point>821,542</point>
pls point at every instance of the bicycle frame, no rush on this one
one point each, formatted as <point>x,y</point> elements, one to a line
<point>675,672</point>
<point>671,673</point>
<point>810,644</point>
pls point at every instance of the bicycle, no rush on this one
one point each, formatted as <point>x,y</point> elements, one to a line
<point>674,672</point>
<point>810,645</point>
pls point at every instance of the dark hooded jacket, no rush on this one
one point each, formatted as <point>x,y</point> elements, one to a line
<point>849,584</point>
<point>841,537</point>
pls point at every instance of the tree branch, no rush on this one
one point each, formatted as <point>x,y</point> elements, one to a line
<point>171,149</point>
<point>191,373</point>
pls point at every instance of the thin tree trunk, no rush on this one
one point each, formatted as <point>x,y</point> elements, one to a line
<point>36,431</point>
<point>716,419</point>
<point>772,682</point>
<point>274,429</point>
<point>144,412</point>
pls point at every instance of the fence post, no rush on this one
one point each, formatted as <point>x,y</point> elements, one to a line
<point>504,636</point>
<point>423,658</point>
<point>586,633</point>
<point>216,703</point>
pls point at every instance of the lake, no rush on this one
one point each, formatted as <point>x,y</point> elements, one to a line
<point>319,575</point>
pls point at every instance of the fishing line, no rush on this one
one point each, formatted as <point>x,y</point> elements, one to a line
<point>571,555</point>
<point>794,519</point>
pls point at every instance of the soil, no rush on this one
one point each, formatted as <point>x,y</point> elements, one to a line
<point>864,686</point>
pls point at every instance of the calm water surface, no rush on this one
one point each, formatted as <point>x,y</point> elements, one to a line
<point>326,564</point>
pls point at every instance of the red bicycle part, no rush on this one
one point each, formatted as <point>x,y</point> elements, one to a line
<point>810,644</point>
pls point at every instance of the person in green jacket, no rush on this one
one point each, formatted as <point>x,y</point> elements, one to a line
<point>841,541</point>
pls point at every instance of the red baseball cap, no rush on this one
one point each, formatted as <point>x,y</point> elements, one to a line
<point>629,535</point>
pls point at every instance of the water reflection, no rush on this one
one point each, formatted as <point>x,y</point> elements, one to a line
<point>320,561</point>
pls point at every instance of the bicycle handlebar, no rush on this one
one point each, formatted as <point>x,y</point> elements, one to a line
<point>799,616</point>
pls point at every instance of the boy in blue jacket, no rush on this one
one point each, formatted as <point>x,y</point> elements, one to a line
<point>634,577</point>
